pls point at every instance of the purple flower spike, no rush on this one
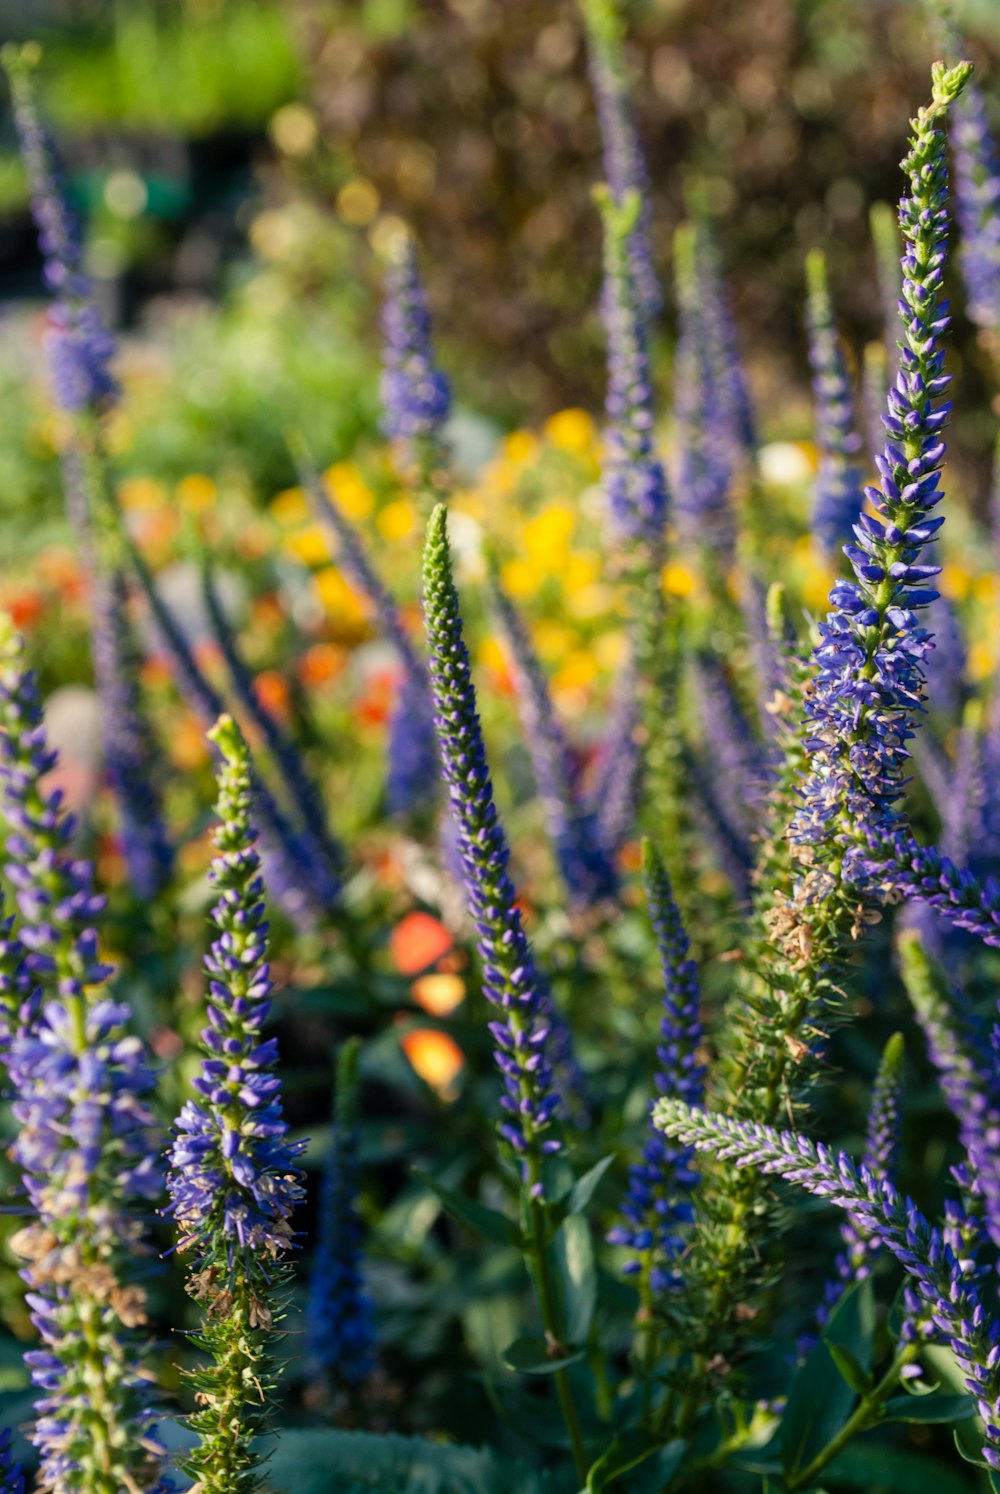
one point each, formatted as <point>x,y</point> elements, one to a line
<point>942,1287</point>
<point>416,397</point>
<point>977,207</point>
<point>655,1210</point>
<point>510,980</point>
<point>869,662</point>
<point>233,1174</point>
<point>12,1479</point>
<point>839,484</point>
<point>586,870</point>
<point>79,348</point>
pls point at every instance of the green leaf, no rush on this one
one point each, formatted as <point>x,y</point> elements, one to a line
<point>530,1356</point>
<point>969,1442</point>
<point>629,1450</point>
<point>574,1252</point>
<point>489,1223</point>
<point>849,1368</point>
<point>930,1408</point>
<point>319,1461</point>
<point>584,1188</point>
<point>821,1399</point>
<point>892,1471</point>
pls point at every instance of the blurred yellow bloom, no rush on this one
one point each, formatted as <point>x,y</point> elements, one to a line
<point>469,501</point>
<point>520,446</point>
<point>590,601</point>
<point>309,545</point>
<point>547,536</point>
<point>611,650</point>
<point>350,490</point>
<point>785,463</point>
<point>816,587</point>
<point>436,1057</point>
<point>570,430</point>
<point>984,589</point>
<point>553,640</point>
<point>187,746</point>
<point>955,582</point>
<point>581,570</point>
<point>336,595</point>
<point>196,492</point>
<point>492,654</point>
<point>579,671</point>
<point>678,580</point>
<point>439,993</point>
<point>293,129</point>
<point>357,202</point>
<point>982,661</point>
<point>141,492</point>
<point>519,578</point>
<point>398,520</point>
<point>290,506</point>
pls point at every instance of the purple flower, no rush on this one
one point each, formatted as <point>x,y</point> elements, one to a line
<point>79,348</point>
<point>233,1175</point>
<point>635,484</point>
<point>869,679</point>
<point>624,165</point>
<point>655,1209</point>
<point>977,207</point>
<point>941,1284</point>
<point>613,794</point>
<point>412,778</point>
<point>587,872</point>
<point>839,482</point>
<point>11,1474</point>
<point>521,1032</point>
<point>416,398</point>
<point>340,1331</point>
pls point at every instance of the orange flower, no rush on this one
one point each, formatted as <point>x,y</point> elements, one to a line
<point>267,613</point>
<point>437,1058</point>
<point>417,942</point>
<point>438,993</point>
<point>155,671</point>
<point>321,663</point>
<point>272,692</point>
<point>25,606</point>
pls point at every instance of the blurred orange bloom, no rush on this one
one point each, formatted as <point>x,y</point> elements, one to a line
<point>321,663</point>
<point>437,1058</point>
<point>439,993</point>
<point>417,942</point>
<point>25,606</point>
<point>272,692</point>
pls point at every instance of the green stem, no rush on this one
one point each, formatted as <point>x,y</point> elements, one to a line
<point>545,1289</point>
<point>866,1414</point>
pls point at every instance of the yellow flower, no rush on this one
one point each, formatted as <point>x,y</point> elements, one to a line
<point>350,490</point>
<point>816,587</point>
<point>982,661</point>
<point>519,578</point>
<point>309,545</point>
<point>590,602</point>
<point>398,520</point>
<point>581,569</point>
<point>337,597</point>
<point>492,654</point>
<point>955,582</point>
<point>579,671</point>
<point>546,537</point>
<point>290,506</point>
<point>436,1057</point>
<point>570,430</point>
<point>520,446</point>
<point>439,993</point>
<point>611,650</point>
<point>678,580</point>
<point>553,640</point>
<point>141,492</point>
<point>196,492</point>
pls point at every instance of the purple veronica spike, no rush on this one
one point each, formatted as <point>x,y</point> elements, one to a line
<point>945,667</point>
<point>905,869</point>
<point>737,764</point>
<point>340,1330</point>
<point>130,749</point>
<point>704,477</point>
<point>839,483</point>
<point>588,874</point>
<point>510,981</point>
<point>297,871</point>
<point>955,1313</point>
<point>85,1144</point>
<point>412,777</point>
<point>879,1158</point>
<point>635,484</point>
<point>977,207</point>
<point>613,796</point>
<point>79,348</point>
<point>655,1209</point>
<point>12,1479</point>
<point>302,791</point>
<point>869,679</point>
<point>723,340</point>
<point>232,1170</point>
<point>624,165</point>
<point>965,1056</point>
<point>416,398</point>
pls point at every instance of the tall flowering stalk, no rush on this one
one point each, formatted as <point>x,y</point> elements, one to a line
<point>416,396</point>
<point>883,224</point>
<point>704,477</point>
<point>977,207</point>
<point>854,1261</point>
<point>956,1314</point>
<point>869,661</point>
<point>588,874</point>
<point>521,1030</point>
<point>233,1178</point>
<point>85,1144</point>
<point>624,164</point>
<point>838,497</point>
<point>12,1480</point>
<point>340,1330</point>
<point>656,1208</point>
<point>80,351</point>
